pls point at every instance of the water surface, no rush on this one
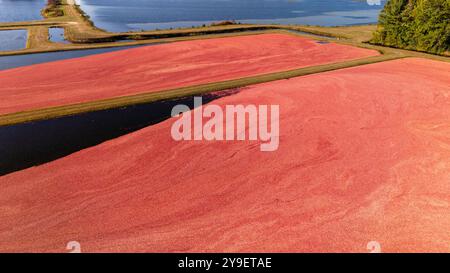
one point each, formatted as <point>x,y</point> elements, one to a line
<point>13,39</point>
<point>30,144</point>
<point>21,10</point>
<point>7,62</point>
<point>118,15</point>
<point>56,35</point>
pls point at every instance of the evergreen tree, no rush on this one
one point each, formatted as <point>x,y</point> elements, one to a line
<point>415,24</point>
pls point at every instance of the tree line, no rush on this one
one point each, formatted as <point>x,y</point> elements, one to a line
<point>422,25</point>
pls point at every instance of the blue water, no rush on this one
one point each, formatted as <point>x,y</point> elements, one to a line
<point>56,138</point>
<point>7,62</point>
<point>13,39</point>
<point>21,10</point>
<point>118,15</point>
<point>56,35</point>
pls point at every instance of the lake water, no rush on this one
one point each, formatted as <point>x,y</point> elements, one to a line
<point>56,35</point>
<point>118,15</point>
<point>7,62</point>
<point>21,10</point>
<point>13,39</point>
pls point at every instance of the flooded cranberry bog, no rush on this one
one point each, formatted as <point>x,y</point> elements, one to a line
<point>364,156</point>
<point>155,68</point>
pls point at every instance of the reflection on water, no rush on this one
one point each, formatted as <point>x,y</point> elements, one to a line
<point>7,62</point>
<point>21,10</point>
<point>56,35</point>
<point>117,15</point>
<point>30,144</point>
<point>13,39</point>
